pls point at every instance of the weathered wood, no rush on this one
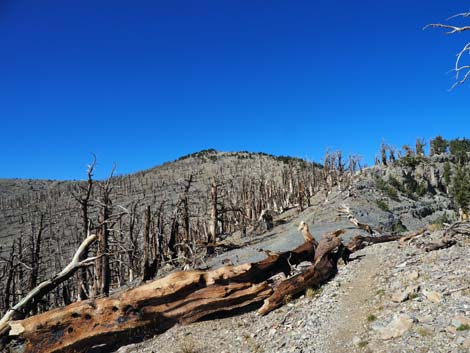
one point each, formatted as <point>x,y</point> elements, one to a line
<point>24,305</point>
<point>444,244</point>
<point>135,314</point>
<point>408,237</point>
<point>303,228</point>
<point>359,242</point>
<point>461,227</point>
<point>323,268</point>
<point>345,211</point>
<point>181,297</point>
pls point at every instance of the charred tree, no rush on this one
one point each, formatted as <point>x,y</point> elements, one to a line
<point>213,216</point>
<point>83,199</point>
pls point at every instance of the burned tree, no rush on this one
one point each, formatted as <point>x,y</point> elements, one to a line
<point>102,266</point>
<point>420,144</point>
<point>83,198</point>
<point>213,216</point>
<point>37,231</point>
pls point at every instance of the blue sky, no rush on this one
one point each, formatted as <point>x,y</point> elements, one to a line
<point>144,82</point>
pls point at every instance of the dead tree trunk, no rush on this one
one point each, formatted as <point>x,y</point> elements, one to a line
<point>181,297</point>
<point>147,271</point>
<point>22,308</point>
<point>214,217</point>
<point>323,268</point>
<point>84,201</point>
<point>173,232</point>
<point>36,238</point>
<point>102,267</point>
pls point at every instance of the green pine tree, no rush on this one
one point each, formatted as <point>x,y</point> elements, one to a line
<point>460,190</point>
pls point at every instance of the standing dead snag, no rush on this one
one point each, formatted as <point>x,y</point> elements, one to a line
<point>148,271</point>
<point>35,244</point>
<point>303,227</point>
<point>214,216</point>
<point>83,198</point>
<point>102,267</point>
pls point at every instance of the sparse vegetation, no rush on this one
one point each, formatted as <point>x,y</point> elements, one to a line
<point>394,182</point>
<point>438,145</point>
<point>239,204</point>
<point>398,227</point>
<point>188,346</point>
<point>209,153</point>
<point>389,190</point>
<point>424,332</point>
<point>463,327</point>
<point>383,205</point>
<point>410,161</point>
<point>460,189</point>
<point>362,344</point>
<point>287,299</point>
<point>460,148</point>
<point>447,174</point>
<point>440,221</point>
<point>381,292</point>
<point>313,292</point>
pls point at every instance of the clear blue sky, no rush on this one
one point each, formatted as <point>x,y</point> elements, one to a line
<point>144,82</point>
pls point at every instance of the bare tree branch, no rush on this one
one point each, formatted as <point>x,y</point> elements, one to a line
<point>462,72</point>
<point>23,306</point>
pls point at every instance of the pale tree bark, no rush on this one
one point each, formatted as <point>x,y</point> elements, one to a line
<point>461,69</point>
<point>102,265</point>
<point>83,198</point>
<point>21,309</point>
<point>213,216</point>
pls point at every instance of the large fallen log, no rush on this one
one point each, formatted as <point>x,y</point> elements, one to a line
<point>21,309</point>
<point>323,268</point>
<point>329,250</point>
<point>181,297</point>
<point>135,314</point>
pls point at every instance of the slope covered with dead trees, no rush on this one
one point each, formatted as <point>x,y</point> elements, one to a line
<point>169,217</point>
<point>146,227</point>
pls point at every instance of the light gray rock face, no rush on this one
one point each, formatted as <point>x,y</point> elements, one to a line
<point>433,296</point>
<point>402,295</point>
<point>397,327</point>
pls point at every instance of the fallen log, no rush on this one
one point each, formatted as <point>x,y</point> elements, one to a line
<point>134,315</point>
<point>461,227</point>
<point>21,309</point>
<point>407,238</point>
<point>359,242</point>
<point>329,250</point>
<point>181,297</point>
<point>444,244</point>
<point>323,268</point>
<point>345,211</point>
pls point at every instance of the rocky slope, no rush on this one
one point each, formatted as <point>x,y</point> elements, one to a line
<point>388,299</point>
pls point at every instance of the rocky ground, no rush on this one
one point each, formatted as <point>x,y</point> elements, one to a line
<point>389,299</point>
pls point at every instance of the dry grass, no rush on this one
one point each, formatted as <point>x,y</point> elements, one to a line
<point>188,346</point>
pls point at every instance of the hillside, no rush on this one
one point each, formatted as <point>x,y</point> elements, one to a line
<point>50,210</point>
<point>402,196</point>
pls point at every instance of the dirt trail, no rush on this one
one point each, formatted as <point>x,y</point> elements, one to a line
<point>352,310</point>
